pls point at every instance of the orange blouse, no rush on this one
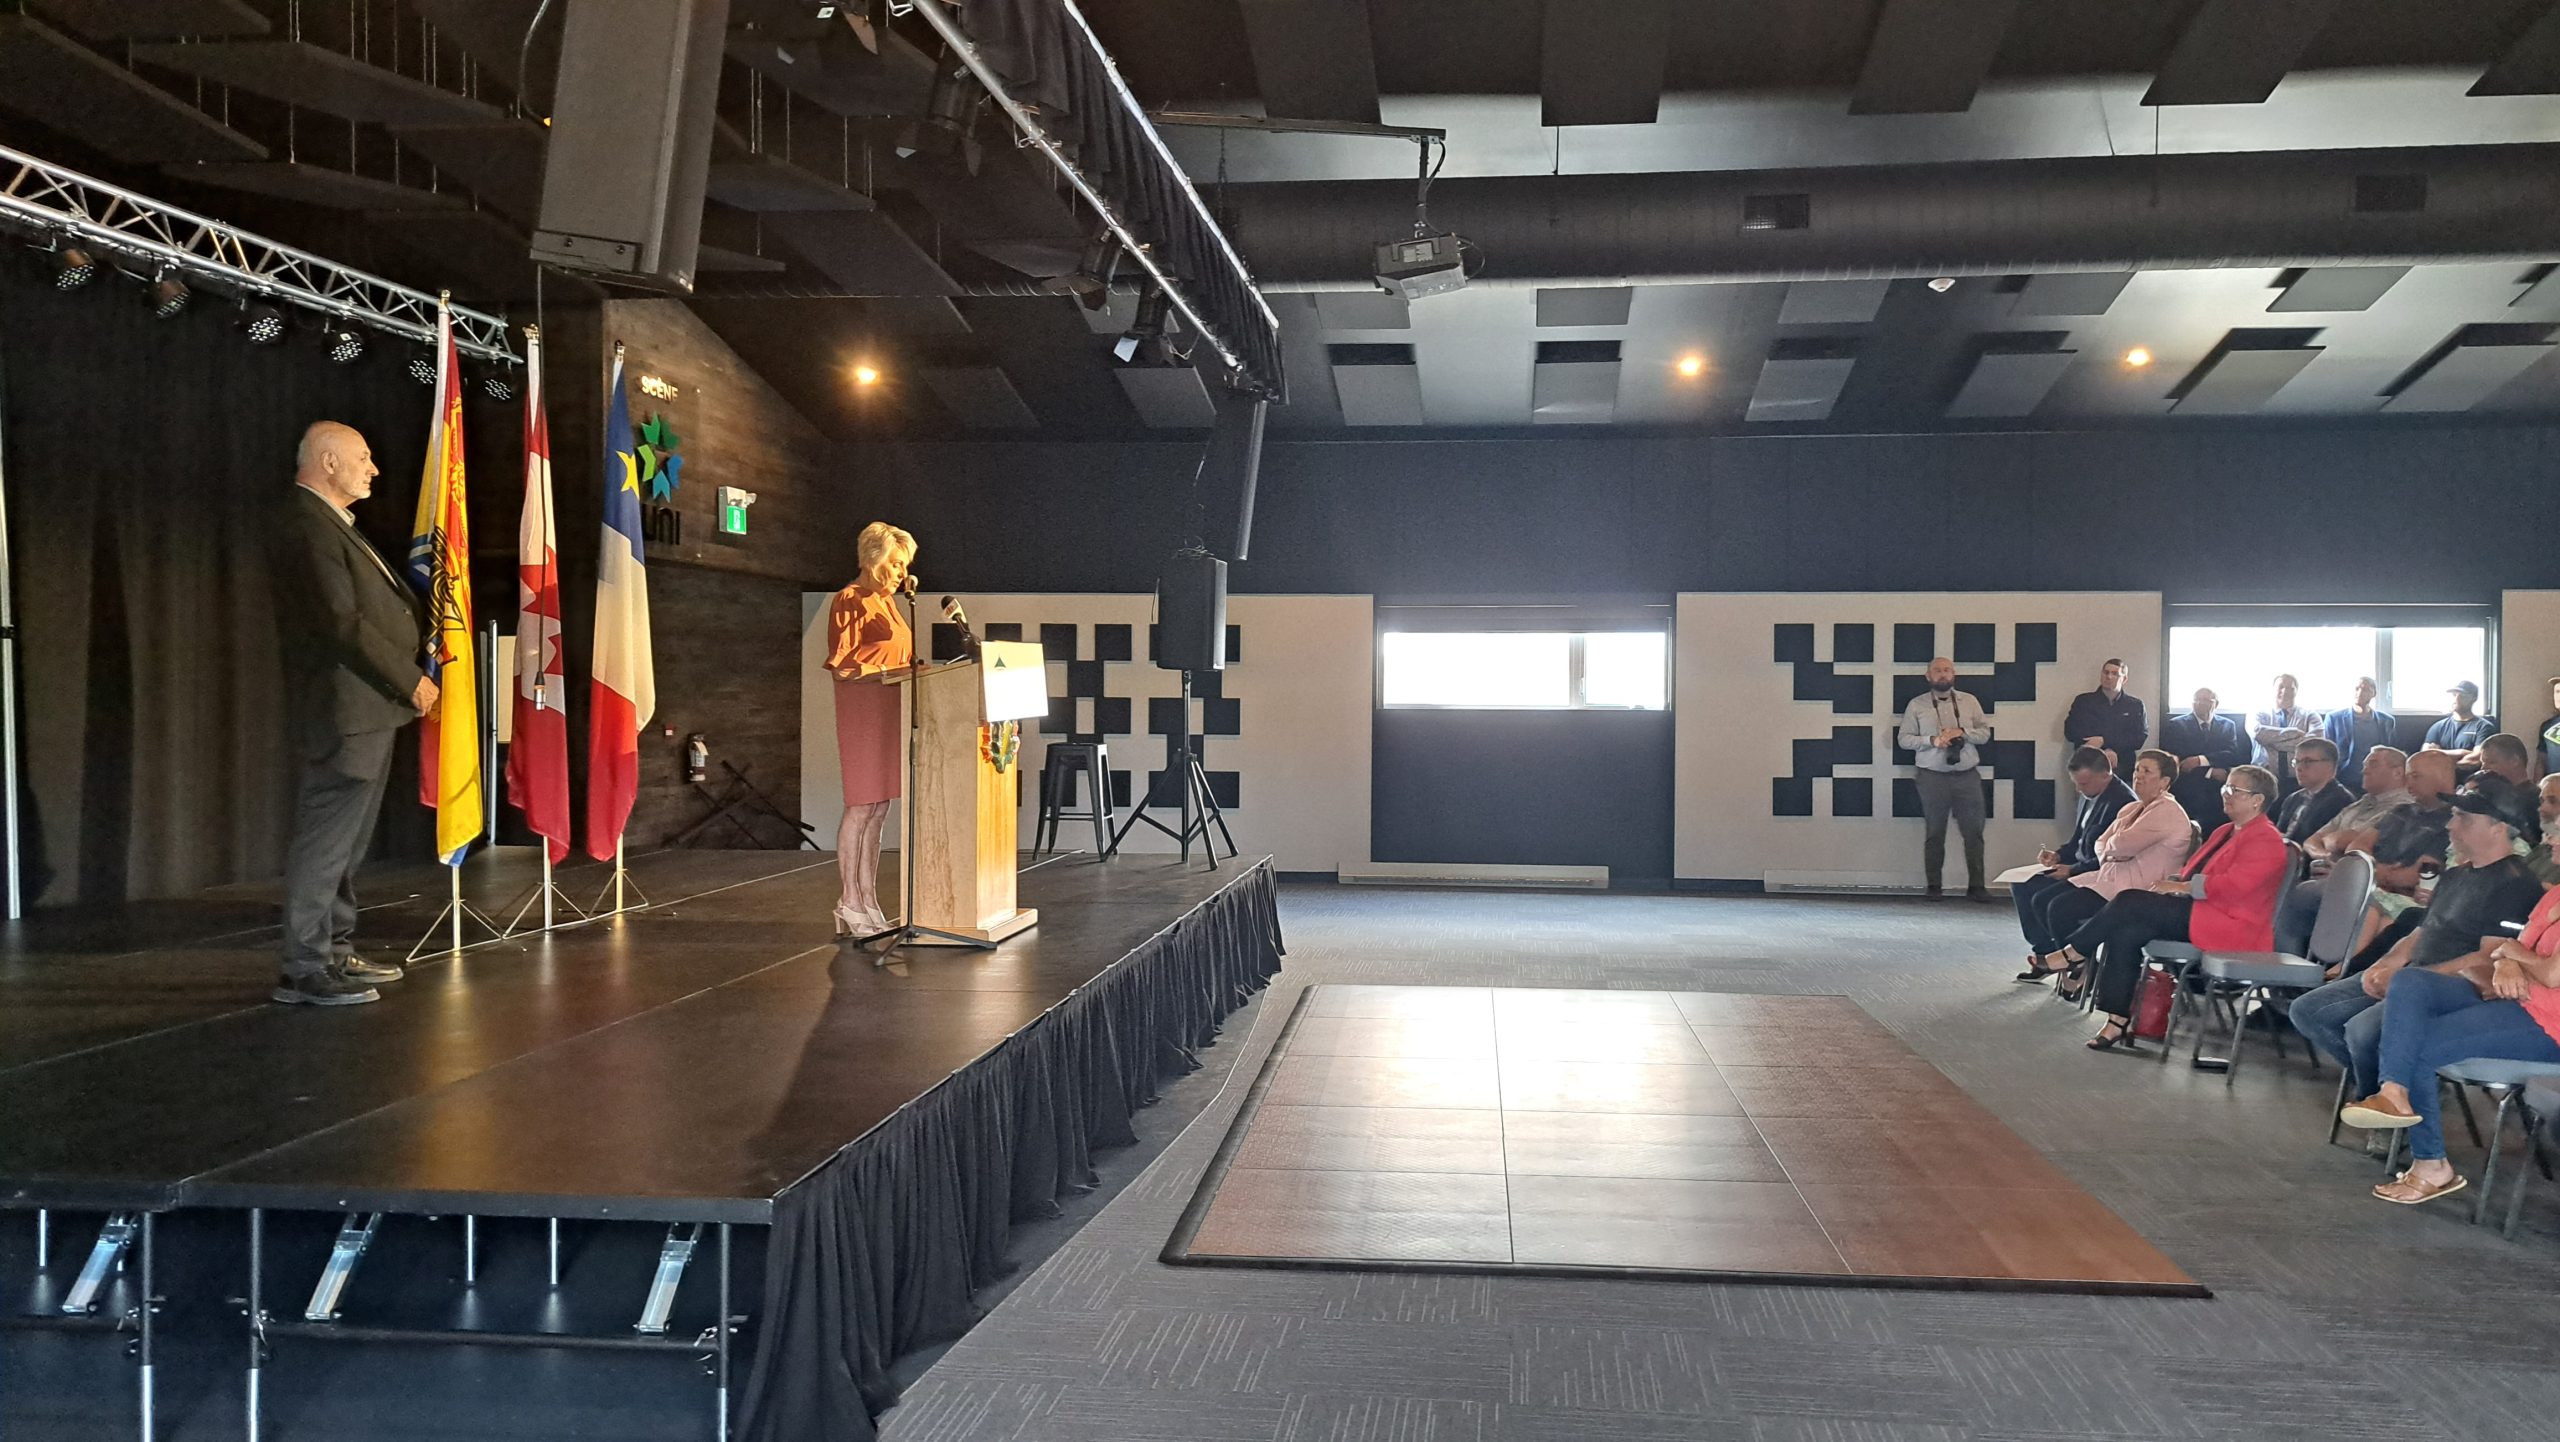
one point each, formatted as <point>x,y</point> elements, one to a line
<point>866,633</point>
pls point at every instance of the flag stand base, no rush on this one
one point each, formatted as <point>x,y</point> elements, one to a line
<point>551,895</point>
<point>620,883</point>
<point>450,920</point>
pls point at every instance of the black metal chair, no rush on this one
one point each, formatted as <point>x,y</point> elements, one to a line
<point>2233,980</point>
<point>1064,761</point>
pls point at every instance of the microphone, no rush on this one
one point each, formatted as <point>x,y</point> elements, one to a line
<point>952,613</point>
<point>908,586</point>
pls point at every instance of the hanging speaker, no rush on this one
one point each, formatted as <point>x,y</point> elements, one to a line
<point>1191,613</point>
<point>1228,471</point>
<point>630,146</point>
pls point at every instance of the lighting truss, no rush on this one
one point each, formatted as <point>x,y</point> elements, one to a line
<point>65,205</point>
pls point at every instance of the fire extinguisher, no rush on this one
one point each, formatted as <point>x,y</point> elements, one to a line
<point>697,758</point>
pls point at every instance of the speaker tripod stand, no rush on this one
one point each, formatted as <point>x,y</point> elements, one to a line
<point>1196,805</point>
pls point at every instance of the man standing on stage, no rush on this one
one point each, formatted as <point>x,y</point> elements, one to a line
<point>352,635</point>
<point>1943,729</point>
<point>2109,719</point>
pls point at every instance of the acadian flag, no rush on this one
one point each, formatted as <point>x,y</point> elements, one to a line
<point>440,568</point>
<point>538,758</point>
<point>625,691</point>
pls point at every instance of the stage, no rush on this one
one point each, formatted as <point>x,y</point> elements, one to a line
<point>711,1072</point>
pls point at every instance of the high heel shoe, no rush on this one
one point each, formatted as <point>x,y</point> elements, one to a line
<point>849,924</point>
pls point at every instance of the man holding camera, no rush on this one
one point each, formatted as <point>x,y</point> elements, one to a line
<point>1942,729</point>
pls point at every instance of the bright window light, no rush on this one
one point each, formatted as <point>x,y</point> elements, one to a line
<point>2427,660</point>
<point>1525,670</point>
<point>2414,665</point>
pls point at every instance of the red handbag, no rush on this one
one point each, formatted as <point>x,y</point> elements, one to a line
<point>2152,1001</point>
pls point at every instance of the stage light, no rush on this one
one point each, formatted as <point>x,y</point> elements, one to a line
<point>1090,284</point>
<point>1943,284</point>
<point>1146,341</point>
<point>422,369</point>
<point>1692,365</point>
<point>262,323</point>
<point>346,346</point>
<point>2137,358</point>
<point>499,388</point>
<point>73,268</point>
<point>169,295</point>
<point>864,375</point>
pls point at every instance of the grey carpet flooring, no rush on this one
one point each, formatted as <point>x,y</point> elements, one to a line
<point>2335,1315</point>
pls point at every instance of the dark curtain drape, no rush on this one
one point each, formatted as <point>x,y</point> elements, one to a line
<point>877,1253</point>
<point>143,459</point>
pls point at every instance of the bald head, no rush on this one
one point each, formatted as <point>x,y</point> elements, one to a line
<point>334,461</point>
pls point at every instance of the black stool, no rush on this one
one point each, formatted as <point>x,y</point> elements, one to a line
<point>1058,785</point>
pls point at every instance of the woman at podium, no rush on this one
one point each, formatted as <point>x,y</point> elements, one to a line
<point>867,635</point>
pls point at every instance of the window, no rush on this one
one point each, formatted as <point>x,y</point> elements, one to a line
<point>2414,665</point>
<point>1530,670</point>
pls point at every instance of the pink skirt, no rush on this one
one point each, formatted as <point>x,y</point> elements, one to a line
<point>867,741</point>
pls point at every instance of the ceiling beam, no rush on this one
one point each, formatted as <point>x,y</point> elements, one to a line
<point>1601,63</point>
<point>1928,57</point>
<point>2235,52</point>
<point>1312,59</point>
<point>2531,66</point>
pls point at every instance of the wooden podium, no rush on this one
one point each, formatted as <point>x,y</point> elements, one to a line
<point>965,811</point>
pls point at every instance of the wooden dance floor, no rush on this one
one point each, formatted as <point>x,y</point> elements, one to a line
<point>1775,1138</point>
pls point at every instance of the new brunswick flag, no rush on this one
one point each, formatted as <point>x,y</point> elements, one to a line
<point>449,740</point>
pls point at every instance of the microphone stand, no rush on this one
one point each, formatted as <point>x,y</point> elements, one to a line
<point>906,931</point>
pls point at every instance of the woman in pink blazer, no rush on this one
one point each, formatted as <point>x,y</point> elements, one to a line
<point>2139,849</point>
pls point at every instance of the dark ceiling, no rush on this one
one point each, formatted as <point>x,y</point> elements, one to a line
<point>2295,208</point>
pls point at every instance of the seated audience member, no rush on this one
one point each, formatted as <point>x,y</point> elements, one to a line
<point>2207,747</point>
<point>2547,747</point>
<point>2483,885</point>
<point>2111,720</point>
<point>2506,758</point>
<point>2225,900</point>
<point>2144,843</point>
<point>2318,798</point>
<point>2501,1001</point>
<point>2544,862</point>
<point>2359,730</point>
<point>2355,828</point>
<point>2463,730</point>
<point>2101,797</point>
<point>2278,731</point>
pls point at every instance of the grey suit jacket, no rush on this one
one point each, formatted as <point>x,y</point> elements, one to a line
<point>352,634</point>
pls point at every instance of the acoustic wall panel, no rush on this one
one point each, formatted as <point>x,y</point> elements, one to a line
<point>1785,769</point>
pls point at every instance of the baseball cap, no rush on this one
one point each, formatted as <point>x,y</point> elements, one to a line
<point>2468,690</point>
<point>2504,802</point>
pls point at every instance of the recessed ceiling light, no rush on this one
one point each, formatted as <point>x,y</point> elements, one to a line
<point>866,375</point>
<point>1692,365</point>
<point>2138,357</point>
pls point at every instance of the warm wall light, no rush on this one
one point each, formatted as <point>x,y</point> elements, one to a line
<point>866,375</point>
<point>1692,365</point>
<point>2138,357</point>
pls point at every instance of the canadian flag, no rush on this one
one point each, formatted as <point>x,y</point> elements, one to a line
<point>538,757</point>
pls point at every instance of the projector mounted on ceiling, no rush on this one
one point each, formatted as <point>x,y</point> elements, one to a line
<point>1423,265</point>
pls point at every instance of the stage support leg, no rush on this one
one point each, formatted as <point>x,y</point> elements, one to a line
<point>257,1315</point>
<point>720,1331</point>
<point>674,1255</point>
<point>142,1325</point>
<point>104,1258</point>
<point>354,1236</point>
<point>470,1251</point>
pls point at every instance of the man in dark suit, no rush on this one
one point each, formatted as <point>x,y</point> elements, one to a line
<point>2207,747</point>
<point>2102,795</point>
<point>2109,719</point>
<point>353,635</point>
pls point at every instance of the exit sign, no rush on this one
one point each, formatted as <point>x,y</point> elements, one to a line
<point>733,510</point>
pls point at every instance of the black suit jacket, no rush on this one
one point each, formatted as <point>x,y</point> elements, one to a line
<point>2098,813</point>
<point>352,634</point>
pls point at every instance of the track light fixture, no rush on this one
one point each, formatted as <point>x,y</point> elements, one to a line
<point>73,267</point>
<point>1100,265</point>
<point>1147,342</point>
<point>262,323</point>
<point>346,346</point>
<point>169,296</point>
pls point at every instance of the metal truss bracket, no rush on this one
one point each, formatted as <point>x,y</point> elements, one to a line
<point>104,1258</point>
<point>673,1256</point>
<point>353,1237</point>
<point>38,196</point>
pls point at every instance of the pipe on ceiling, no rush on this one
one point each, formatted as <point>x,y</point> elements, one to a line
<point>2171,212</point>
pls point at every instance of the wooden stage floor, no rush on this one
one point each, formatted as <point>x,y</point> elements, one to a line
<point>1774,1138</point>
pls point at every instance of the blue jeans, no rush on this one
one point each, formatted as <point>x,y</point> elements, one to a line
<point>2432,1020</point>
<point>2344,1025</point>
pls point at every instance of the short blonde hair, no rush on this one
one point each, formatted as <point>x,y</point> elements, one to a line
<point>878,542</point>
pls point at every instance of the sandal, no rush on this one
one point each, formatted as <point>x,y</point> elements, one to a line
<point>2075,980</point>
<point>2115,1034</point>
<point>2406,1190</point>
<point>2373,1115</point>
